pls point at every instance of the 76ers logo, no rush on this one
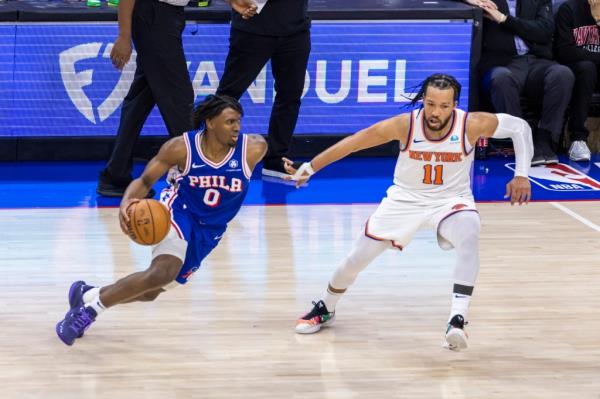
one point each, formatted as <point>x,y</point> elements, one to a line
<point>560,177</point>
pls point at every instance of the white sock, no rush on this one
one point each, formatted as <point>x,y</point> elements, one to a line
<point>97,305</point>
<point>91,294</point>
<point>460,305</point>
<point>331,299</point>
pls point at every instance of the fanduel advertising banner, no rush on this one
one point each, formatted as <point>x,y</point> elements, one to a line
<point>57,79</point>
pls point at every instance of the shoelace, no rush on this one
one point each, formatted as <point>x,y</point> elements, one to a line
<point>313,313</point>
<point>82,321</point>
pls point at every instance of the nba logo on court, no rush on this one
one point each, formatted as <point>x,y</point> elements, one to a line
<point>560,177</point>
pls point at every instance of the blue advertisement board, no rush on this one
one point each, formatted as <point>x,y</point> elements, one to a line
<point>57,79</point>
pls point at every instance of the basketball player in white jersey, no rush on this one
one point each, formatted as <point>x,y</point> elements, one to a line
<point>431,190</point>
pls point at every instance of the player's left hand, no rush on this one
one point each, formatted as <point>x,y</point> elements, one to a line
<point>519,190</point>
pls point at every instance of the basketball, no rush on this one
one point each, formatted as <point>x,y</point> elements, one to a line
<point>149,222</point>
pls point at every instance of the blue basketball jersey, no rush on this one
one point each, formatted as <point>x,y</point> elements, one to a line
<point>206,196</point>
<point>212,193</point>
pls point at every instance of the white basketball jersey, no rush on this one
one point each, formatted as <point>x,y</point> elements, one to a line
<point>429,169</point>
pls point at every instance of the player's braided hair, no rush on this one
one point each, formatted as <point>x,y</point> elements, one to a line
<point>212,106</point>
<point>439,81</point>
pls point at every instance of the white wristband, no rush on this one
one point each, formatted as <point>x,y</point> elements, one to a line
<point>306,167</point>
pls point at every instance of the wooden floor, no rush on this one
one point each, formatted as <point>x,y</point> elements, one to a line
<point>534,332</point>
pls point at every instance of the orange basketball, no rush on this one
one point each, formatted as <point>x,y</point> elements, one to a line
<point>149,222</point>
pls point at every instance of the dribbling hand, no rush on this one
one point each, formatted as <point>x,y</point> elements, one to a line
<point>519,190</point>
<point>123,216</point>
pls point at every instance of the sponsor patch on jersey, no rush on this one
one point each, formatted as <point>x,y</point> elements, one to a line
<point>454,138</point>
<point>560,177</point>
<point>233,164</point>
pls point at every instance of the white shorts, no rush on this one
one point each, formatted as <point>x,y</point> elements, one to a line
<point>398,221</point>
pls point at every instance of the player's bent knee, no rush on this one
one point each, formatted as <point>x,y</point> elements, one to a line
<point>163,271</point>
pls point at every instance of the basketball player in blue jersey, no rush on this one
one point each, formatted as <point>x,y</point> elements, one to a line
<point>431,190</point>
<point>213,172</point>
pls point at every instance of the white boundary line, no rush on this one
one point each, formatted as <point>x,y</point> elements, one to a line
<point>576,216</point>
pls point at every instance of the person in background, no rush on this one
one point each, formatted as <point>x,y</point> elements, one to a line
<point>161,78</point>
<point>577,44</point>
<point>516,61</point>
<point>279,31</point>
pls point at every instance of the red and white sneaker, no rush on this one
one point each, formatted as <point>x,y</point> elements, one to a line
<point>318,317</point>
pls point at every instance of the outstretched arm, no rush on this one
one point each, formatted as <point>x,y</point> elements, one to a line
<point>173,152</point>
<point>395,128</point>
<point>501,126</point>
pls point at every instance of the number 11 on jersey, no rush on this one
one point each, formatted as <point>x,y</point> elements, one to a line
<point>437,170</point>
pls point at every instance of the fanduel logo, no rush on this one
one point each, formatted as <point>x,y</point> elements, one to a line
<point>368,77</point>
<point>75,82</point>
<point>373,81</point>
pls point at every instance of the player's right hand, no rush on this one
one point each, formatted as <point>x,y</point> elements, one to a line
<point>300,175</point>
<point>121,52</point>
<point>123,216</point>
<point>246,8</point>
<point>482,3</point>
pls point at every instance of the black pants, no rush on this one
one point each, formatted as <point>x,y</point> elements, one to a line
<point>586,79</point>
<point>161,78</point>
<point>248,54</point>
<point>536,78</point>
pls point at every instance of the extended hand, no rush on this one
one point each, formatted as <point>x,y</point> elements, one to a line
<point>124,216</point>
<point>300,175</point>
<point>121,52</point>
<point>519,190</point>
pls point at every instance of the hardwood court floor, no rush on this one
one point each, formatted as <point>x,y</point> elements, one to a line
<point>534,331</point>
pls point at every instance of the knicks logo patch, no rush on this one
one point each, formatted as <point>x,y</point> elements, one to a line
<point>458,207</point>
<point>560,177</point>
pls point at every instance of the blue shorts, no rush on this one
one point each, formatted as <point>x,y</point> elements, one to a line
<point>190,241</point>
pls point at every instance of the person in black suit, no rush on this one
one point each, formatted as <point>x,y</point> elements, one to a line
<point>279,32</point>
<point>161,78</point>
<point>517,60</point>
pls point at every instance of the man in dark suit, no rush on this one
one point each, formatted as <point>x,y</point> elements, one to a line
<point>279,32</point>
<point>516,60</point>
